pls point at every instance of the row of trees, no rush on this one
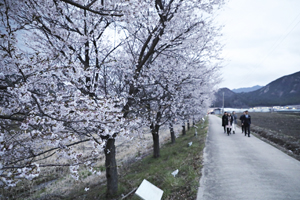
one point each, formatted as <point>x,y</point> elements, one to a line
<point>92,71</point>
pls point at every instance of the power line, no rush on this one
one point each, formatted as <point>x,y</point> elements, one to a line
<point>276,44</point>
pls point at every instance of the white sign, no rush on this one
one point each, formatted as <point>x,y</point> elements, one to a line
<point>148,191</point>
<point>175,172</point>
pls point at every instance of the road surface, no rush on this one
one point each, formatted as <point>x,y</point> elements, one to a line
<point>241,168</point>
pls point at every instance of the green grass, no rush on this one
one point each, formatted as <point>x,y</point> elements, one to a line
<point>188,160</point>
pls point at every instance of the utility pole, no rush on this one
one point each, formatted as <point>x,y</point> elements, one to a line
<point>223,104</point>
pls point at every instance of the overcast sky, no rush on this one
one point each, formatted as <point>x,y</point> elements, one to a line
<point>262,41</point>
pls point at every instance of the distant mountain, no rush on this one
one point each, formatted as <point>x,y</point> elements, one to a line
<point>282,91</point>
<point>231,99</point>
<point>247,89</point>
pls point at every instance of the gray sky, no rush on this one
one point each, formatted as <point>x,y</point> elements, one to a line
<point>262,41</point>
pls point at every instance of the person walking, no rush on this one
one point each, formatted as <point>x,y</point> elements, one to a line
<point>242,119</point>
<point>223,121</point>
<point>234,117</point>
<point>228,122</point>
<point>247,123</point>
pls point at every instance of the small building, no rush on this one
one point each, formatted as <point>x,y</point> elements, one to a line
<point>217,111</point>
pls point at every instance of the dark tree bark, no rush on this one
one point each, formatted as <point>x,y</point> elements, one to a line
<point>172,133</point>
<point>154,130</point>
<point>188,124</point>
<point>183,129</point>
<point>155,135</point>
<point>111,167</point>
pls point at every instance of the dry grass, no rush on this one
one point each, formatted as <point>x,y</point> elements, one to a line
<point>187,159</point>
<point>57,182</point>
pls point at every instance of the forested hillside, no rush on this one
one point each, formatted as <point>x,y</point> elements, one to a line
<point>283,91</point>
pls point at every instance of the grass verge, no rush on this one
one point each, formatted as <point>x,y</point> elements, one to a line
<point>187,159</point>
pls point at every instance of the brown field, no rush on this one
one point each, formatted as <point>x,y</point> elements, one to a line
<point>279,129</point>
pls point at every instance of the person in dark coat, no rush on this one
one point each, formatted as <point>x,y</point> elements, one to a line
<point>228,123</point>
<point>223,121</point>
<point>242,119</point>
<point>247,123</point>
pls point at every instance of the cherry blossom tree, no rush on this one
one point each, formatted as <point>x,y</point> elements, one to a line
<point>51,98</point>
<point>70,82</point>
<point>167,34</point>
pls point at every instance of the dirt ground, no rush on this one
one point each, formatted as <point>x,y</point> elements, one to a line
<point>279,129</point>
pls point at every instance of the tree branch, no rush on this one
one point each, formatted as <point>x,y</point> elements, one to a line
<point>87,8</point>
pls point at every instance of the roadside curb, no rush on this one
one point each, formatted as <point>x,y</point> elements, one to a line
<point>202,179</point>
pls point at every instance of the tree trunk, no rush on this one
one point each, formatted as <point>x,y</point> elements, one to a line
<point>154,130</point>
<point>183,129</point>
<point>111,167</point>
<point>188,124</point>
<point>155,135</point>
<point>172,133</point>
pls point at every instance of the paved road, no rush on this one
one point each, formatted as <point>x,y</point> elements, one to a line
<point>241,168</point>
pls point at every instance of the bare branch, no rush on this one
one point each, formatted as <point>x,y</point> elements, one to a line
<point>87,8</point>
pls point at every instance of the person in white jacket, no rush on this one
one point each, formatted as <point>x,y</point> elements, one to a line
<point>228,122</point>
<point>234,117</point>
